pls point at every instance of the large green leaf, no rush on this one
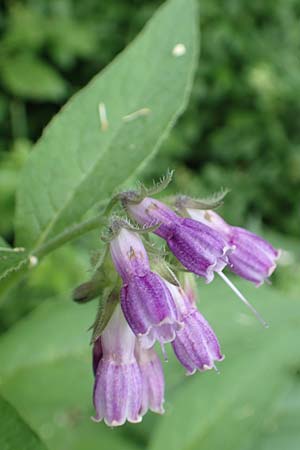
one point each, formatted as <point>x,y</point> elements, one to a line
<point>76,163</point>
<point>14,432</point>
<point>280,428</point>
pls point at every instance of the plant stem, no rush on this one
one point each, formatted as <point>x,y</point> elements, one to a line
<point>69,234</point>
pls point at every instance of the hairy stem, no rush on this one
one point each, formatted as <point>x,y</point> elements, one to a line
<point>66,236</point>
<point>69,234</point>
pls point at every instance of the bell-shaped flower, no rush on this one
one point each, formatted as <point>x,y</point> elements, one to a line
<point>201,249</point>
<point>145,299</point>
<point>253,257</point>
<point>118,381</point>
<point>196,345</point>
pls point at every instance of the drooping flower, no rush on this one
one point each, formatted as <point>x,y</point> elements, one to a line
<point>145,299</point>
<point>118,382</point>
<point>196,345</point>
<point>253,257</point>
<point>153,383</point>
<point>200,249</point>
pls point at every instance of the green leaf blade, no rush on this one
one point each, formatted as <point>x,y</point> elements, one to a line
<point>76,164</point>
<point>14,432</point>
<point>11,260</point>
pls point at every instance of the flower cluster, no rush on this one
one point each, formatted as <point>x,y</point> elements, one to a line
<point>153,306</point>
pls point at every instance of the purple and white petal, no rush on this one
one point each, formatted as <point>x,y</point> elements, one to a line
<point>118,392</point>
<point>211,219</point>
<point>196,345</point>
<point>199,248</point>
<point>150,309</point>
<point>153,383</point>
<point>128,254</point>
<point>118,383</point>
<point>150,212</point>
<point>254,258</point>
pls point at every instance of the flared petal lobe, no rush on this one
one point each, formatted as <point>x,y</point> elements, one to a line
<point>150,309</point>
<point>199,248</point>
<point>196,345</point>
<point>153,383</point>
<point>118,382</point>
<point>118,393</point>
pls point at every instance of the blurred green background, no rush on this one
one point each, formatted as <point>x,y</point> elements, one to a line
<point>241,131</point>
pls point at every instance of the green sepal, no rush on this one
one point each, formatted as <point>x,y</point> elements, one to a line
<point>159,265</point>
<point>107,303</point>
<point>117,223</point>
<point>135,197</point>
<point>104,275</point>
<point>86,291</point>
<point>183,202</point>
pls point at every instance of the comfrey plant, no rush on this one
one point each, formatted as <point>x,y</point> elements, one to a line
<point>148,295</point>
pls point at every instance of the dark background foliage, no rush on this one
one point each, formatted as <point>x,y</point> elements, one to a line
<point>240,131</point>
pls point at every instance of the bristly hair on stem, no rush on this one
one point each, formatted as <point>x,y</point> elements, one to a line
<point>158,186</point>
<point>116,223</point>
<point>183,202</point>
<point>136,196</point>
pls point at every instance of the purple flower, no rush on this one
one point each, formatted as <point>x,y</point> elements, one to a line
<point>153,383</point>
<point>118,382</point>
<point>201,249</point>
<point>196,345</point>
<point>129,255</point>
<point>253,257</point>
<point>146,301</point>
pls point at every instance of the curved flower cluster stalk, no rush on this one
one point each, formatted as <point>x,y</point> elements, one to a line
<point>151,306</point>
